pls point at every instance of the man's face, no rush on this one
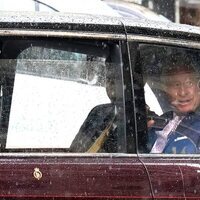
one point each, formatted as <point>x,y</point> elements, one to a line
<point>183,91</point>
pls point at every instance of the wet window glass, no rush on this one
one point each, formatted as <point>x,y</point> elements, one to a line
<point>60,97</point>
<point>171,106</point>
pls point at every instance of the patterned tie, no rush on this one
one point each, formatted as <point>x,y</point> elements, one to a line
<point>162,136</point>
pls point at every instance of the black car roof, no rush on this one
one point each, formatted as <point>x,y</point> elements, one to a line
<point>94,23</point>
<point>58,21</point>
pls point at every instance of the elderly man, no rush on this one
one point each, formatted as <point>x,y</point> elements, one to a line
<point>180,131</point>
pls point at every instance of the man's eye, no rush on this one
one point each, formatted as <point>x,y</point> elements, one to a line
<point>174,84</point>
<point>177,84</point>
<point>189,83</point>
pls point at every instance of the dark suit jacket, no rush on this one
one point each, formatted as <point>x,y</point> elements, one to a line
<point>97,120</point>
<point>186,137</point>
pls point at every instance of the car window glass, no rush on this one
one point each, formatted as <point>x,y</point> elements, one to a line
<point>171,97</point>
<point>61,98</point>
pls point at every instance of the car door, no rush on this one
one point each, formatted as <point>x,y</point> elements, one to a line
<point>190,169</point>
<point>175,173</point>
<point>53,102</point>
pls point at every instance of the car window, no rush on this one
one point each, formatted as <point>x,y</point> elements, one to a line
<point>171,93</point>
<point>61,95</point>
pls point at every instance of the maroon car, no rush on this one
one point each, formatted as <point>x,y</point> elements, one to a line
<point>76,93</point>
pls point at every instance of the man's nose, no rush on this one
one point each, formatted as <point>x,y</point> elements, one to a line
<point>183,91</point>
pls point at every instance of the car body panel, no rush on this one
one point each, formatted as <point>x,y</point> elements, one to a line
<point>190,168</point>
<point>165,175</point>
<point>173,177</point>
<point>73,176</point>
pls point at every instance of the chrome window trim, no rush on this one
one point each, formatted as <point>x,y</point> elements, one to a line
<point>62,34</point>
<point>163,40</point>
<point>170,156</point>
<point>99,155</point>
<point>67,154</point>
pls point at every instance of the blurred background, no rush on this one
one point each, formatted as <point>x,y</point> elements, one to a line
<point>179,11</point>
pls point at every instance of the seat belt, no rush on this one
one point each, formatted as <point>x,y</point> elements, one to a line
<point>96,146</point>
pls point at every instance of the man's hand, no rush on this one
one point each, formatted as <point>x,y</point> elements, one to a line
<point>150,114</point>
<point>150,123</point>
